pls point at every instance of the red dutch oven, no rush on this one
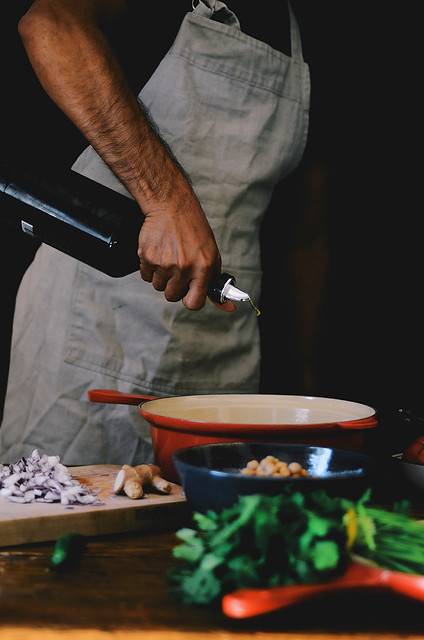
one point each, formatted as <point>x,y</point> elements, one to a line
<point>185,421</point>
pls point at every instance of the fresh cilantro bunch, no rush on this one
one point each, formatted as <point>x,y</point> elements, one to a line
<point>261,541</point>
<point>264,541</point>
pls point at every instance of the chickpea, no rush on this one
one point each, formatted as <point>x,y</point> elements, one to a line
<point>267,466</point>
<point>295,467</point>
<point>249,472</point>
<point>283,471</point>
<point>271,466</point>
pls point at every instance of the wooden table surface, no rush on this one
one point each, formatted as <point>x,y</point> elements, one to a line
<point>119,591</point>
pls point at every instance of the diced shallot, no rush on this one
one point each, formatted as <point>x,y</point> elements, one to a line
<point>43,478</point>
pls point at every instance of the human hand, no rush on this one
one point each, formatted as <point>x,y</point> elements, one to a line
<point>178,252</point>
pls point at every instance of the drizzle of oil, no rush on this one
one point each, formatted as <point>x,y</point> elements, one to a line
<point>256,310</point>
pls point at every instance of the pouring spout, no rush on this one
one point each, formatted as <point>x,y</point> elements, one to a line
<point>230,292</point>
<point>222,288</point>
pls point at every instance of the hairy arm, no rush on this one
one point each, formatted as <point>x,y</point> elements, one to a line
<point>66,44</point>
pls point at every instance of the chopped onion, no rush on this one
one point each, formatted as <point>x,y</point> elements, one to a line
<point>43,478</point>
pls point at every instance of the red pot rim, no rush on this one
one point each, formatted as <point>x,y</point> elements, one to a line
<point>149,410</point>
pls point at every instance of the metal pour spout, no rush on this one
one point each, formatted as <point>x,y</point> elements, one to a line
<point>222,288</point>
<point>230,292</point>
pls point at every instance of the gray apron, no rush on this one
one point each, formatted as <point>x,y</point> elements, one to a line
<point>235,113</point>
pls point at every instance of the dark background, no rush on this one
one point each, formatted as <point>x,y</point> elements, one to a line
<point>356,220</point>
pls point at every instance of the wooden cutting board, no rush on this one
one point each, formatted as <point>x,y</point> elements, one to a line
<point>38,521</point>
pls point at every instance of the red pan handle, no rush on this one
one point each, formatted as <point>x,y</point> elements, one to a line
<point>116,397</point>
<point>246,603</point>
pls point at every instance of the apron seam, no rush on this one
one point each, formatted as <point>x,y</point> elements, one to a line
<point>237,34</point>
<point>237,79</point>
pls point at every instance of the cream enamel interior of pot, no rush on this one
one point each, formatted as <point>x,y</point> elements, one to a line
<point>258,409</point>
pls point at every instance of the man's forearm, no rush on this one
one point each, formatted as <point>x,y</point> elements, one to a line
<point>76,65</point>
<point>78,69</point>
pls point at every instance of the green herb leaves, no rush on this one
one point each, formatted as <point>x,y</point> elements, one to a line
<point>260,541</point>
<point>265,541</point>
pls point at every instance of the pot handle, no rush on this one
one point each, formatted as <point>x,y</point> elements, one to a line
<point>116,397</point>
<point>246,603</point>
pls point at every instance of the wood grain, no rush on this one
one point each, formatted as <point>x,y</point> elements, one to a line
<point>119,589</point>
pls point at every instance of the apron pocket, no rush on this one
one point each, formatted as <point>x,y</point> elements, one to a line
<point>106,334</point>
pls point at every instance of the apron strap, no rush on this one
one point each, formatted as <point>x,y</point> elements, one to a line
<point>296,42</point>
<point>207,8</point>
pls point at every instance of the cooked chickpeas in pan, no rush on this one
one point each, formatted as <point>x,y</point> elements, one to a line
<point>271,466</point>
